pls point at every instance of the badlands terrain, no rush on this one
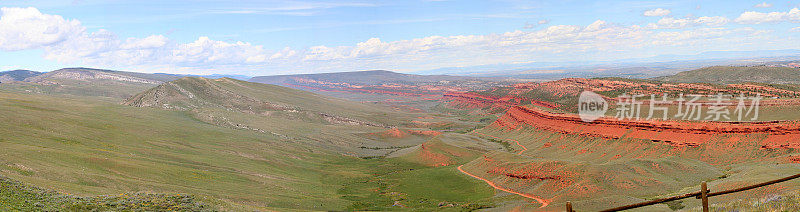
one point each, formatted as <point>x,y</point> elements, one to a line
<point>91,139</point>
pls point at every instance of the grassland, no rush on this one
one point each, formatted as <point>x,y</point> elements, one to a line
<point>16,196</point>
<point>396,184</point>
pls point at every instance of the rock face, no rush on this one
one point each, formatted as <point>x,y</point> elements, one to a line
<point>777,134</point>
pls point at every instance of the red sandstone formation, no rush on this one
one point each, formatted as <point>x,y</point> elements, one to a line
<point>778,134</point>
<point>547,93</point>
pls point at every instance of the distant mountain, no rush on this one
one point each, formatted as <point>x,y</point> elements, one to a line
<point>660,65</point>
<point>737,74</point>
<point>217,76</point>
<point>362,78</point>
<point>90,74</point>
<point>210,76</point>
<point>92,82</point>
<point>17,75</point>
<point>381,85</point>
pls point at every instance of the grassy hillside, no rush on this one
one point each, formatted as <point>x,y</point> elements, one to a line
<point>16,196</point>
<point>737,74</point>
<point>87,147</point>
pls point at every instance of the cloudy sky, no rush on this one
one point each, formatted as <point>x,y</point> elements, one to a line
<point>303,36</point>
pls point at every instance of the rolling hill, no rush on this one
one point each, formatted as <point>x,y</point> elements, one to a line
<point>737,74</point>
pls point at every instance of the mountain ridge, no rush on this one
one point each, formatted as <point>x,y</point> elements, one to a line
<point>737,74</point>
<point>363,77</point>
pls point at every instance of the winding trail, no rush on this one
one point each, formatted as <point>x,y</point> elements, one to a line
<point>519,153</point>
<point>544,202</point>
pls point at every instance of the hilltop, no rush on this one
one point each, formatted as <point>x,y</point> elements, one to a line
<point>737,74</point>
<point>17,75</point>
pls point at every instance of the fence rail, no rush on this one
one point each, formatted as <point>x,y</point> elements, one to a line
<point>703,194</point>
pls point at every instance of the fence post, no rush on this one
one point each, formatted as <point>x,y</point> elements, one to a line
<point>569,206</point>
<point>704,195</point>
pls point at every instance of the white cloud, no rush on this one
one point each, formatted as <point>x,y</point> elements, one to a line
<point>752,17</point>
<point>85,45</point>
<point>283,54</point>
<point>150,42</point>
<point>680,23</point>
<point>27,28</point>
<point>763,5</point>
<point>529,25</point>
<point>157,53</point>
<point>205,50</point>
<point>657,12</point>
<point>796,29</point>
<point>712,21</point>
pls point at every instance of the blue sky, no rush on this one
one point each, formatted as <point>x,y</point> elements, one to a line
<point>282,37</point>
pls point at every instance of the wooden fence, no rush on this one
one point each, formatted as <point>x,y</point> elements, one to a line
<point>703,194</point>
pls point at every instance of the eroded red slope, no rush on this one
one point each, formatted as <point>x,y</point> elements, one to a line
<point>777,134</point>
